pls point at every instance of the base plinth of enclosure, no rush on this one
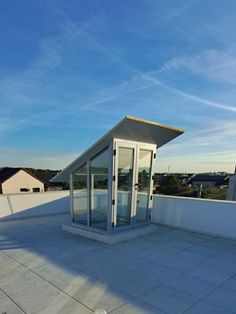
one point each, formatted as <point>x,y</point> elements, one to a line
<point>110,238</point>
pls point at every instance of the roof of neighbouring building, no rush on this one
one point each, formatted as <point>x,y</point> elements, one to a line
<point>130,129</point>
<point>217,178</point>
<point>7,172</point>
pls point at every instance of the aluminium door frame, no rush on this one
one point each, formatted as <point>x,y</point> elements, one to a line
<point>126,144</point>
<point>136,146</point>
<point>152,149</point>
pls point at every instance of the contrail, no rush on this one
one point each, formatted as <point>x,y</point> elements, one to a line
<point>154,82</point>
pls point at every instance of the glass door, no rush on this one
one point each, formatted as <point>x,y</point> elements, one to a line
<point>143,185</point>
<point>132,183</point>
<point>125,186</point>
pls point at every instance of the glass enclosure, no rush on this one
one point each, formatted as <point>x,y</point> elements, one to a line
<point>80,195</point>
<point>112,190</point>
<point>124,185</point>
<point>99,190</point>
<point>143,187</point>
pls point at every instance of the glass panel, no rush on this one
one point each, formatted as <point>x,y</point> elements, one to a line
<point>124,187</point>
<point>144,178</point>
<point>99,190</point>
<point>80,193</point>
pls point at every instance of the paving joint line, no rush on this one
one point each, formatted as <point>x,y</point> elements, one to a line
<point>12,301</point>
<point>51,284</point>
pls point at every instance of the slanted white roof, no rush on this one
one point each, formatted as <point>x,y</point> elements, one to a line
<point>130,129</point>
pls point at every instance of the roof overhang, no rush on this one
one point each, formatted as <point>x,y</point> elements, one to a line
<point>129,129</point>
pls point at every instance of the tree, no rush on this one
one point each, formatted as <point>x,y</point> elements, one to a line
<point>171,185</point>
<point>212,192</point>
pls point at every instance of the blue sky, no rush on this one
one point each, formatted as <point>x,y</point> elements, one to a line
<point>70,70</point>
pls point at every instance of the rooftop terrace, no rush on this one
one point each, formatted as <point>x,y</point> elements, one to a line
<point>46,270</point>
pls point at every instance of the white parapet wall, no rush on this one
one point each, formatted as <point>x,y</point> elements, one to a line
<point>26,205</point>
<point>201,215</point>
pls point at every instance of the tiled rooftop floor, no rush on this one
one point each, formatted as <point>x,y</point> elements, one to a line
<point>46,270</point>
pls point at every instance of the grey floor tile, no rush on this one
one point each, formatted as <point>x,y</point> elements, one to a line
<point>219,244</point>
<point>134,282</point>
<point>206,308</point>
<point>126,247</point>
<point>204,251</point>
<point>194,238</point>
<point>7,306</point>
<point>65,307</point>
<point>18,253</point>
<point>169,299</point>
<point>103,271</point>
<point>163,269</point>
<point>181,243</point>
<point>210,274</point>
<point>30,259</point>
<point>231,283</point>
<point>159,253</point>
<point>37,296</point>
<point>142,243</point>
<point>50,269</point>
<point>18,280</point>
<point>95,295</point>
<point>221,265</point>
<point>227,256</point>
<point>137,307</point>
<point>224,298</point>
<point>127,263</point>
<point>7,263</point>
<point>82,260</point>
<point>182,261</point>
<point>194,286</point>
<point>158,273</point>
<point>73,284</point>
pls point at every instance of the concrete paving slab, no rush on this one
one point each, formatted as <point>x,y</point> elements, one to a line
<point>169,300</point>
<point>7,306</point>
<point>224,298</point>
<point>137,307</point>
<point>65,307</point>
<point>206,308</point>
<point>58,272</point>
<point>192,285</point>
<point>37,296</point>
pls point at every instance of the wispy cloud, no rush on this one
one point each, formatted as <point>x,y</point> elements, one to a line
<point>177,12</point>
<point>205,162</point>
<point>27,158</point>
<point>149,78</point>
<point>91,71</point>
<point>214,64</point>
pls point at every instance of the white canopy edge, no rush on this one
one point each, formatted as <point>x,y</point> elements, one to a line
<point>130,129</point>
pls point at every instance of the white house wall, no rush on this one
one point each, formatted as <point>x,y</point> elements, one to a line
<point>21,180</point>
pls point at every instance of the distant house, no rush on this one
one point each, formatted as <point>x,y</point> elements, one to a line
<point>17,180</point>
<point>216,180</point>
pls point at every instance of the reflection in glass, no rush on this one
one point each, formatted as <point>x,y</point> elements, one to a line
<point>144,173</point>
<point>80,193</point>
<point>99,190</point>
<point>124,187</point>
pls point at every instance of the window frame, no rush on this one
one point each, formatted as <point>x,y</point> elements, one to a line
<point>72,193</point>
<point>87,163</point>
